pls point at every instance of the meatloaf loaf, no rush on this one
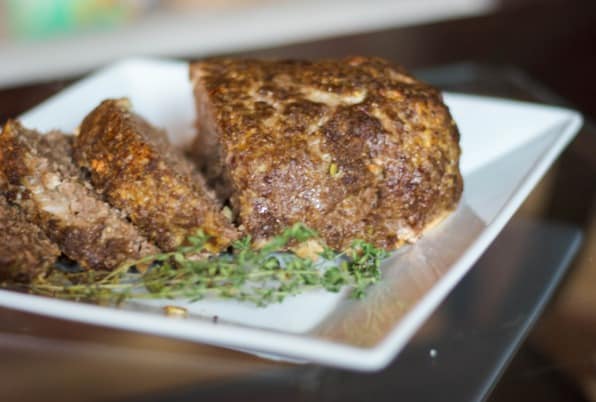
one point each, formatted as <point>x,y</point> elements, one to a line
<point>354,148</point>
<point>46,185</point>
<point>25,251</point>
<point>138,171</point>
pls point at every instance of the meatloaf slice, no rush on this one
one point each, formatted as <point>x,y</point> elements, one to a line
<point>25,251</point>
<point>138,171</point>
<point>46,185</point>
<point>355,148</point>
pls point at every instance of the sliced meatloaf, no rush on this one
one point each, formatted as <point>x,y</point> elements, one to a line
<point>25,251</point>
<point>46,185</point>
<point>138,171</point>
<point>355,148</point>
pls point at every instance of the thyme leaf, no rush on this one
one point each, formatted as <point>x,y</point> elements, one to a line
<point>260,276</point>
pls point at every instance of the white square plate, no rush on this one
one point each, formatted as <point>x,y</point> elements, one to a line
<point>507,147</point>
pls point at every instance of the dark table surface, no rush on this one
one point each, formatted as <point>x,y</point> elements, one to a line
<point>505,54</point>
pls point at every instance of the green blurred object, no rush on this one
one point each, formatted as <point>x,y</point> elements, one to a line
<point>39,19</point>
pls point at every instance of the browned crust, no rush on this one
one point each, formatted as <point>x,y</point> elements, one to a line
<point>355,148</point>
<point>139,172</point>
<point>25,251</point>
<point>45,184</point>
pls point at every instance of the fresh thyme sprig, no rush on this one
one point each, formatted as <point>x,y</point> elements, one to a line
<point>261,276</point>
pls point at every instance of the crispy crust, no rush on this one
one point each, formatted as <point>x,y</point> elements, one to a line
<point>25,251</point>
<point>139,172</point>
<point>45,184</point>
<point>354,148</point>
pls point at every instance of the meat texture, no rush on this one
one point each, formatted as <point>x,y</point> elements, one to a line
<point>25,251</point>
<point>138,171</point>
<point>46,185</point>
<point>354,148</point>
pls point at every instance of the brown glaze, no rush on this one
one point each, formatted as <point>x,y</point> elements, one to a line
<point>25,251</point>
<point>140,172</point>
<point>44,183</point>
<point>355,148</point>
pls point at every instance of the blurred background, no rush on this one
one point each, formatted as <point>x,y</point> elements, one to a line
<point>42,39</point>
<point>539,50</point>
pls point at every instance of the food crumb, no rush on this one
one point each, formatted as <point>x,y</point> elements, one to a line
<point>227,212</point>
<point>310,249</point>
<point>175,311</point>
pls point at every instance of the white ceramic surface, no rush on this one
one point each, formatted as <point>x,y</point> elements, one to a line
<point>507,147</point>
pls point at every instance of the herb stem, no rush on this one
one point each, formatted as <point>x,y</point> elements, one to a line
<point>260,276</point>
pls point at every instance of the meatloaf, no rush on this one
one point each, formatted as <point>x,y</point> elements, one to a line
<point>25,251</point>
<point>354,148</point>
<point>138,171</point>
<point>46,185</point>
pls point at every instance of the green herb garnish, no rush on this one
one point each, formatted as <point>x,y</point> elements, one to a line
<point>333,169</point>
<point>261,276</point>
